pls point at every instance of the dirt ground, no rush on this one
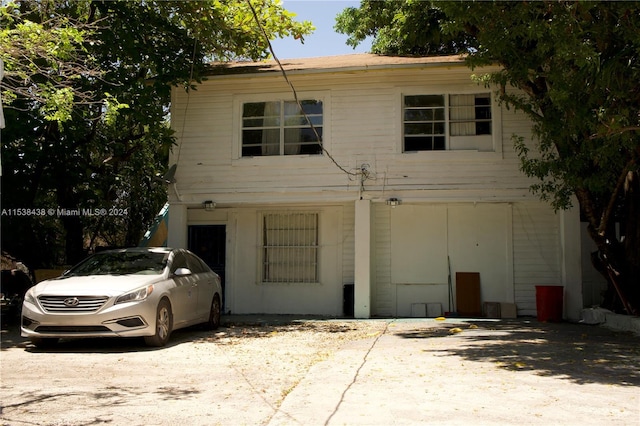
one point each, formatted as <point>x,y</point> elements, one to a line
<point>283,371</point>
<point>121,381</point>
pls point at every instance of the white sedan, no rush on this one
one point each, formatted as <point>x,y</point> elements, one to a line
<point>135,292</point>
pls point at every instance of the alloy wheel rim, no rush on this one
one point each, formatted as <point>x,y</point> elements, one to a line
<point>163,323</point>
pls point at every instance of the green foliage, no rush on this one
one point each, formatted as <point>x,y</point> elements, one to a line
<point>111,109</point>
<point>405,28</point>
<point>58,104</point>
<point>576,65</point>
<point>86,93</point>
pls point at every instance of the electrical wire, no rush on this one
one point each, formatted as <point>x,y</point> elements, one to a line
<point>295,96</point>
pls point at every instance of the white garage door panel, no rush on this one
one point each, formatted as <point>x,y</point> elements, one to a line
<point>478,240</point>
<point>419,245</point>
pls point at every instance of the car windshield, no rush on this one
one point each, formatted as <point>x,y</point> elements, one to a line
<point>121,263</point>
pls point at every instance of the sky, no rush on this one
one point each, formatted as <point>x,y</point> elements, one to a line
<point>324,41</point>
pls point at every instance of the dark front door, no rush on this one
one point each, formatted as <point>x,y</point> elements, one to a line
<point>209,242</point>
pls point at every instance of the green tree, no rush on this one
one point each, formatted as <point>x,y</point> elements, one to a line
<point>577,66</point>
<point>406,28</point>
<point>86,93</point>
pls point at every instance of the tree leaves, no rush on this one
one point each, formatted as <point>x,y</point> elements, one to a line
<point>86,96</point>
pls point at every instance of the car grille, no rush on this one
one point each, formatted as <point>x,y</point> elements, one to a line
<point>84,304</point>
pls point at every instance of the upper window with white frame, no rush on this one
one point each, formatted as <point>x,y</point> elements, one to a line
<point>281,127</point>
<point>438,122</point>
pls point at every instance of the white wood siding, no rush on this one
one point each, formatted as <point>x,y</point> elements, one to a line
<point>383,293</point>
<point>348,243</point>
<point>536,247</point>
<point>362,125</point>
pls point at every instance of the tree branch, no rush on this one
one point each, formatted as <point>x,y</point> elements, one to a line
<point>606,214</point>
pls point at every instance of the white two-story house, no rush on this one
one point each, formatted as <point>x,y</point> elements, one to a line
<point>365,192</point>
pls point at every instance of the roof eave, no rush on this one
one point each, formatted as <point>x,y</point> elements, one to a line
<point>332,64</point>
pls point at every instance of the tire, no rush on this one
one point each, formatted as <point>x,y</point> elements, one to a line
<point>44,342</point>
<point>164,325</point>
<point>214,314</point>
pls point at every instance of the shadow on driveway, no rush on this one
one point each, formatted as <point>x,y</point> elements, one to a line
<point>580,353</point>
<point>577,352</point>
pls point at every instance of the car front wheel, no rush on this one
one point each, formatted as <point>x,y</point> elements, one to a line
<point>214,313</point>
<point>164,325</point>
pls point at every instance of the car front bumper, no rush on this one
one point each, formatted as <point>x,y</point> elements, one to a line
<point>135,319</point>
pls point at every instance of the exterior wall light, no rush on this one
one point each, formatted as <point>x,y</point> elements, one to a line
<point>209,205</point>
<point>393,202</point>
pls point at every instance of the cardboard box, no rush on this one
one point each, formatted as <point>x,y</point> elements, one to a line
<point>434,310</point>
<point>508,310</point>
<point>492,309</point>
<point>419,310</point>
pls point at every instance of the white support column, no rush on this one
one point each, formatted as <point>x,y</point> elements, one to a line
<point>362,288</point>
<point>177,237</point>
<point>571,262</point>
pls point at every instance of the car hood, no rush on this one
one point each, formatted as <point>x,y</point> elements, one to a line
<point>103,285</point>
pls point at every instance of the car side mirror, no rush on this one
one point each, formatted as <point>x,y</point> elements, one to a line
<point>181,272</point>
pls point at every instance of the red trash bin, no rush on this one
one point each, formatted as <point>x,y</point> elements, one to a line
<point>549,302</point>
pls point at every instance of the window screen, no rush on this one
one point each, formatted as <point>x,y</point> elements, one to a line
<point>290,248</point>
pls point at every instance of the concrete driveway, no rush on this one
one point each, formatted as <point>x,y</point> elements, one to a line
<point>265,370</point>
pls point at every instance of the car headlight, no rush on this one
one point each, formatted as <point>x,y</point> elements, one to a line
<point>136,295</point>
<point>29,297</point>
